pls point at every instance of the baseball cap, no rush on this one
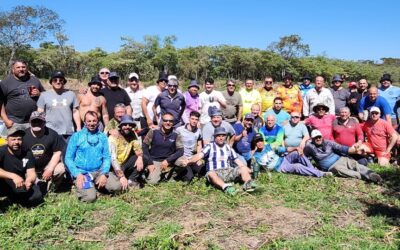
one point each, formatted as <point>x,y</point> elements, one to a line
<point>133,75</point>
<point>374,109</point>
<point>38,115</point>
<point>315,133</point>
<point>249,116</point>
<point>15,130</point>
<point>57,74</point>
<point>113,75</point>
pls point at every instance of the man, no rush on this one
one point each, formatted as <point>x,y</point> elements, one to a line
<point>192,144</point>
<point>295,134</point>
<point>92,100</point>
<point>290,94</point>
<point>20,91</point>
<point>355,96</point>
<point>127,157</point>
<point>296,163</point>
<point>216,121</point>
<point>306,85</point>
<point>136,96</point>
<point>282,117</point>
<point>60,106</point>
<point>332,157</point>
<point>90,143</point>
<point>192,100</point>
<point>114,95</point>
<point>219,157</point>
<point>244,136</point>
<point>340,94</point>
<point>348,132</point>
<point>319,94</point>
<point>232,113</point>
<point>170,101</point>
<point>267,94</point>
<point>390,93</point>
<point>321,120</point>
<point>103,74</point>
<point>374,100</point>
<point>210,98</point>
<point>17,171</point>
<point>258,121</point>
<point>149,97</point>
<point>249,96</point>
<point>112,126</point>
<point>273,134</point>
<point>381,137</point>
<point>46,147</point>
<point>163,147</point>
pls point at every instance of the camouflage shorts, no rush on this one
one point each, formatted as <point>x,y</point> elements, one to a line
<point>226,174</point>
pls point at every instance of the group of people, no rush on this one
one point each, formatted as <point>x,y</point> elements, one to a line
<point>110,138</point>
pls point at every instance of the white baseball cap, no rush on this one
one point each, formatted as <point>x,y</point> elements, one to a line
<point>133,75</point>
<point>375,109</point>
<point>315,133</point>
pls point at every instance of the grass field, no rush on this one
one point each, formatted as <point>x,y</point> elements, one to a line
<point>288,212</point>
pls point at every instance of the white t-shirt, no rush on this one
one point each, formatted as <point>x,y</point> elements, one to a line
<point>205,103</point>
<point>151,93</point>
<point>136,102</point>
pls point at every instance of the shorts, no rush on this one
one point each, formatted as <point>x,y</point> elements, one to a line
<point>378,153</point>
<point>226,174</point>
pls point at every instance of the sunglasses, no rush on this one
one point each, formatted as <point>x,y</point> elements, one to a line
<point>374,113</point>
<point>296,117</point>
<point>126,124</point>
<point>172,86</point>
<point>166,120</point>
<point>54,80</point>
<point>318,137</point>
<point>230,85</point>
<point>133,80</point>
<point>268,82</point>
<point>104,73</point>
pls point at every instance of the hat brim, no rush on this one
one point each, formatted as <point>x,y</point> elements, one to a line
<point>385,79</point>
<point>191,86</point>
<point>323,106</point>
<point>221,134</point>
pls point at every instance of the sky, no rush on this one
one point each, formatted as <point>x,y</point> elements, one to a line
<point>342,29</point>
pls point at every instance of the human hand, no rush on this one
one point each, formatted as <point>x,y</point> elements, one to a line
<point>164,165</point>
<point>101,182</point>
<point>8,123</point>
<point>139,164</point>
<point>83,90</point>
<point>18,181</point>
<point>124,182</point>
<point>47,174</point>
<point>151,168</point>
<point>80,180</point>
<point>28,184</point>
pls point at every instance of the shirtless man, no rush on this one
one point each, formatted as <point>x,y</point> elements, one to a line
<point>93,101</point>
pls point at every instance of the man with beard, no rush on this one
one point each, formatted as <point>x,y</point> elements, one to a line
<point>17,171</point>
<point>20,91</point>
<point>60,106</point>
<point>114,95</point>
<point>355,96</point>
<point>126,154</point>
<point>282,117</point>
<point>92,100</point>
<point>46,146</point>
<point>88,160</point>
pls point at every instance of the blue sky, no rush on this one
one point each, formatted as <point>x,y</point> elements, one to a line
<point>351,30</point>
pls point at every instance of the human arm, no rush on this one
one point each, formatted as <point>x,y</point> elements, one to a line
<point>104,111</point>
<point>18,180</point>
<point>77,119</point>
<point>70,153</point>
<point>9,123</point>
<point>30,178</point>
<point>220,99</point>
<point>306,107</point>
<point>49,169</point>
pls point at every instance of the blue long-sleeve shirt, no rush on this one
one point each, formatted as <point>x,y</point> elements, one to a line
<point>325,154</point>
<point>87,152</point>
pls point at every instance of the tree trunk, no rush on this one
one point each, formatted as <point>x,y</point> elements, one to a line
<point>10,61</point>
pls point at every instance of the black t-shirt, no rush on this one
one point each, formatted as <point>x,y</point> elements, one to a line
<point>19,104</point>
<point>113,97</point>
<point>16,164</point>
<point>42,148</point>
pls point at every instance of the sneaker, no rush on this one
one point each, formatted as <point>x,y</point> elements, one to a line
<point>249,186</point>
<point>376,178</point>
<point>230,190</point>
<point>327,174</point>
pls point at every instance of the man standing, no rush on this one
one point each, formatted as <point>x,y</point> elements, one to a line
<point>390,93</point>
<point>374,100</point>
<point>290,94</point>
<point>88,160</point>
<point>92,100</point>
<point>21,91</point>
<point>136,96</point>
<point>232,113</point>
<point>210,98</point>
<point>103,74</point>
<point>60,106</point>
<point>282,117</point>
<point>219,157</point>
<point>355,96</point>
<point>192,100</point>
<point>319,94</point>
<point>46,146</point>
<point>306,85</point>
<point>170,101</point>
<point>340,94</point>
<point>267,94</point>
<point>149,97</point>
<point>249,96</point>
<point>114,95</point>
<point>17,171</point>
<point>126,154</point>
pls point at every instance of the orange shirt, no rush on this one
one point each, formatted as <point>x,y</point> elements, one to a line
<point>292,100</point>
<point>378,134</point>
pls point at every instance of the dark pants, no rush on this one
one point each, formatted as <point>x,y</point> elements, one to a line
<point>129,168</point>
<point>31,197</point>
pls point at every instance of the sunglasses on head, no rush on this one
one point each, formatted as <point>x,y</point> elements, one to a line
<point>104,73</point>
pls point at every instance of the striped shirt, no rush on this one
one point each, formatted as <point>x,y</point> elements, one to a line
<point>218,157</point>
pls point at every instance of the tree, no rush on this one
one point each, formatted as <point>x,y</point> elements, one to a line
<point>290,47</point>
<point>25,24</point>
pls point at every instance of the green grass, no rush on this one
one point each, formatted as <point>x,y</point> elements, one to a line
<point>288,212</point>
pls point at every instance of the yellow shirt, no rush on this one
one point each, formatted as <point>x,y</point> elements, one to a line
<point>267,98</point>
<point>249,98</point>
<point>121,149</point>
<point>292,100</point>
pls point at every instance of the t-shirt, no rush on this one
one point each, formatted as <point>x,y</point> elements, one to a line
<point>267,98</point>
<point>249,98</point>
<point>205,103</point>
<point>282,117</point>
<point>218,157</point>
<point>378,134</point>
<point>208,130</point>
<point>292,100</point>
<point>16,164</point>
<point>42,148</point>
<point>189,140</point>
<point>58,110</point>
<point>136,102</point>
<point>192,104</point>
<point>113,97</point>
<point>391,95</point>
<point>174,105</point>
<point>151,94</point>
<point>340,97</point>
<point>324,124</point>
<point>19,104</point>
<point>244,145</point>
<point>349,133</point>
<point>233,103</point>
<point>380,102</point>
<point>272,136</point>
<point>294,134</point>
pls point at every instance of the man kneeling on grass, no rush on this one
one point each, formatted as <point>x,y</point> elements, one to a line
<point>331,156</point>
<point>219,157</point>
<point>293,163</point>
